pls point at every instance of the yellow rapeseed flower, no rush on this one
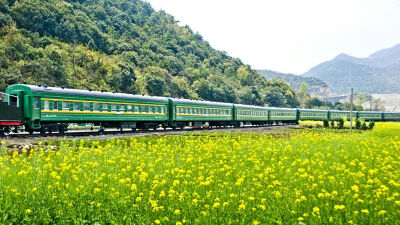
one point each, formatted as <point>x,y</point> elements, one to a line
<point>382,212</point>
<point>339,207</point>
<point>365,211</point>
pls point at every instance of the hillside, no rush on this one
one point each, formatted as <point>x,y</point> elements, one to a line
<point>378,73</point>
<point>316,86</point>
<point>121,45</point>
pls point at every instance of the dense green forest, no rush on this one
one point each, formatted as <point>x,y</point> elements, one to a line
<point>125,46</point>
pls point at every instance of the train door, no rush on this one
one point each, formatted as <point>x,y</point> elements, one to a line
<point>36,108</point>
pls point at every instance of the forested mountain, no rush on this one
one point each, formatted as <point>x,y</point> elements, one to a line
<point>316,86</point>
<point>378,73</point>
<point>122,45</point>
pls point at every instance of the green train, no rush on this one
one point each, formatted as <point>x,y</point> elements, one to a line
<point>51,109</point>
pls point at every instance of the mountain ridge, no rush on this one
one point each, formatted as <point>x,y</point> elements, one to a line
<point>378,73</point>
<point>316,86</point>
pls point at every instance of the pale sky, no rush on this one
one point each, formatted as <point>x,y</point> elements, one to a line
<point>290,36</point>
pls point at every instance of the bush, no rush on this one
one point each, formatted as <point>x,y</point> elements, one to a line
<point>326,123</point>
<point>371,125</point>
<point>358,124</point>
<point>364,126</point>
<point>340,123</point>
<point>332,124</point>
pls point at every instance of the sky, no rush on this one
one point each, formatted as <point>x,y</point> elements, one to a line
<point>290,36</point>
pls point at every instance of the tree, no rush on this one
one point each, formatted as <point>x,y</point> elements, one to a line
<point>279,94</point>
<point>361,99</point>
<point>127,77</point>
<point>376,104</point>
<point>303,96</point>
<point>275,98</point>
<point>156,79</point>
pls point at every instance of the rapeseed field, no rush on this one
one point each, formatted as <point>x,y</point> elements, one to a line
<point>311,176</point>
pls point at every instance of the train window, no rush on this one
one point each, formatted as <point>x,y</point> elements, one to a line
<point>129,108</point>
<point>104,107</point>
<point>76,106</point>
<point>96,107</point>
<point>65,106</point>
<point>37,103</point>
<point>55,105</point>
<point>86,106</point>
<point>150,109</point>
<point>113,107</point>
<point>136,108</point>
<point>46,105</point>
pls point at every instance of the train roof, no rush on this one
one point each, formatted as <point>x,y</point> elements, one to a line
<point>369,112</point>
<point>341,111</point>
<point>86,93</point>
<point>314,110</point>
<point>250,106</point>
<point>279,108</point>
<point>197,102</point>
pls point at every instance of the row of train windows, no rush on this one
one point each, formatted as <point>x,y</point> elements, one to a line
<point>283,114</point>
<point>339,115</point>
<point>196,111</point>
<point>370,115</point>
<point>252,113</point>
<point>313,114</point>
<point>100,107</point>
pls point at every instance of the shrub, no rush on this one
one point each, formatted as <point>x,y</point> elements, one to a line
<point>332,124</point>
<point>371,125</point>
<point>326,123</point>
<point>340,123</point>
<point>364,126</point>
<point>358,124</point>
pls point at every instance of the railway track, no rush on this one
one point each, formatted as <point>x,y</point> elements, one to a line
<point>119,133</point>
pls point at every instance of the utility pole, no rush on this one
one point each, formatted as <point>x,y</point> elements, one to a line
<point>351,111</point>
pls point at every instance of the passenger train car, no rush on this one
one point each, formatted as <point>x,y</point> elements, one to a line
<point>50,109</point>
